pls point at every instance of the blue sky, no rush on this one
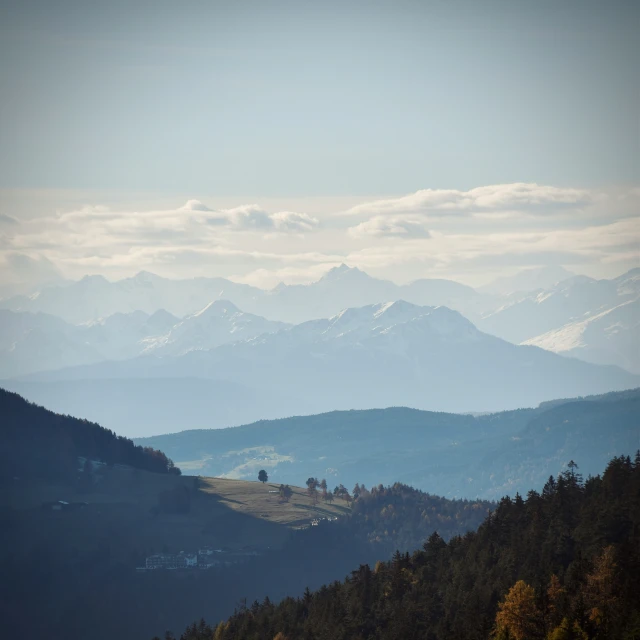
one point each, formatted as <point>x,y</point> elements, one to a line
<point>314,108</point>
<point>317,98</point>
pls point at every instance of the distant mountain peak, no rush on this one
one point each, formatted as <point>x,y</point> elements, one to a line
<point>573,281</point>
<point>337,273</point>
<point>145,277</point>
<point>93,278</point>
<point>398,317</point>
<point>631,274</point>
<point>281,286</point>
<point>529,279</point>
<point>395,307</point>
<point>218,308</point>
<point>162,317</point>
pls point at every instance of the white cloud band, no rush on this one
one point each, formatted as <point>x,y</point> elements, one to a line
<point>527,197</point>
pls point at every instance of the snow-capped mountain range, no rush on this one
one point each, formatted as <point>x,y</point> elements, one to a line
<point>387,354</point>
<point>342,287</point>
<point>609,337</point>
<point>218,323</point>
<point>527,316</point>
<point>32,342</point>
<point>148,313</point>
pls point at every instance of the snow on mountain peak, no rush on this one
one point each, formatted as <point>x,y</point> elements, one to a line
<point>398,308</point>
<point>386,317</point>
<point>218,308</point>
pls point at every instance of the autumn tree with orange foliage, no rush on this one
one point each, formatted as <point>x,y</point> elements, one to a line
<point>518,617</point>
<point>600,592</point>
<point>563,564</point>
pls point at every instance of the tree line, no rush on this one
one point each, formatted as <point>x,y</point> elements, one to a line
<point>37,442</point>
<point>396,516</point>
<point>562,564</point>
<point>315,489</point>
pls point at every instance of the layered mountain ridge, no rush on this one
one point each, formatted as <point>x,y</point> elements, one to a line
<point>387,354</point>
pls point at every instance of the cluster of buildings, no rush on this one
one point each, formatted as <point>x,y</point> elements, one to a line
<point>316,521</point>
<point>204,558</point>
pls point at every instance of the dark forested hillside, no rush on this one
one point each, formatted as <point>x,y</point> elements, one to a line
<point>37,443</point>
<point>401,517</point>
<point>65,570</point>
<point>563,564</point>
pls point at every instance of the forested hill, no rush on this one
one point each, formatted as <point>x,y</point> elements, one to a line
<point>451,455</point>
<point>563,564</point>
<point>37,443</point>
<point>401,517</point>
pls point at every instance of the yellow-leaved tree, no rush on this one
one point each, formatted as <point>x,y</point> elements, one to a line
<point>518,616</point>
<point>601,591</point>
<point>568,631</point>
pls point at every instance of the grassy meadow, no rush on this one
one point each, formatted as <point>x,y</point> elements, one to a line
<point>121,516</point>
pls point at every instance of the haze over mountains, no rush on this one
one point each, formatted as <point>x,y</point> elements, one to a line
<point>573,300</point>
<point>32,342</point>
<point>432,344</point>
<point>518,308</point>
<point>609,337</point>
<point>94,296</point>
<point>391,354</point>
<point>528,280</point>
<point>460,456</point>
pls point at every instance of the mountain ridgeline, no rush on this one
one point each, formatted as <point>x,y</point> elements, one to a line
<point>93,297</point>
<point>73,538</point>
<point>37,443</point>
<point>68,565</point>
<point>562,564</point>
<point>94,319</point>
<point>453,455</point>
<point>390,354</point>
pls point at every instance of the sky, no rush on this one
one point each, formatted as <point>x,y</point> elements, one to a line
<point>270,141</point>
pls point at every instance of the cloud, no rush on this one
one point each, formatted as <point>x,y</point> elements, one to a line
<point>248,218</point>
<point>253,218</point>
<point>288,221</point>
<point>525,197</point>
<point>195,205</point>
<point>193,223</point>
<point>589,245</point>
<point>97,237</point>
<point>265,245</point>
<point>390,227</point>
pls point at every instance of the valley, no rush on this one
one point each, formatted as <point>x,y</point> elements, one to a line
<point>457,456</point>
<point>168,355</point>
<point>84,530</point>
<point>319,320</point>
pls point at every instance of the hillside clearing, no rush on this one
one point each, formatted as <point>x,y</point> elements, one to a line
<point>121,514</point>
